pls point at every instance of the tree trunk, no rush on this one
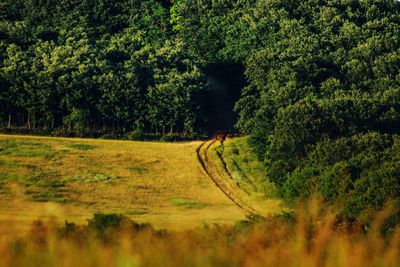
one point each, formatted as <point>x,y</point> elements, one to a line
<point>9,121</point>
<point>29,121</point>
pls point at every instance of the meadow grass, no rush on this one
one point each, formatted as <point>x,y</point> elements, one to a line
<point>238,165</point>
<point>163,210</point>
<point>80,146</point>
<point>159,183</point>
<point>313,238</point>
<point>188,203</point>
<point>18,148</point>
<point>245,168</point>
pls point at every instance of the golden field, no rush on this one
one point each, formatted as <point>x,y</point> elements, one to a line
<point>173,212</point>
<point>71,179</point>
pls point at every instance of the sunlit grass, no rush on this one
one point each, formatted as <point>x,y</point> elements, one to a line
<point>160,183</point>
<point>80,146</point>
<point>187,203</point>
<point>313,238</point>
<point>245,167</point>
<point>246,175</point>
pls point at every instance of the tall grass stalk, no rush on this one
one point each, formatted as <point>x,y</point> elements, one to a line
<point>314,238</point>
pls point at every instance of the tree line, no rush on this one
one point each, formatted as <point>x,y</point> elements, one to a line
<point>97,65</point>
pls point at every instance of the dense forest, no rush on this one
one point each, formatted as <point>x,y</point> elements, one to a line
<point>319,80</point>
<point>97,64</point>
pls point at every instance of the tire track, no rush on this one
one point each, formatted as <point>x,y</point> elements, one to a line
<point>220,155</point>
<point>207,166</point>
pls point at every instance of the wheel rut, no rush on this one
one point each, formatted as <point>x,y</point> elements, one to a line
<point>210,169</point>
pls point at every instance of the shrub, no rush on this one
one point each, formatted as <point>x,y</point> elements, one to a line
<point>136,134</point>
<point>103,222</point>
<point>168,138</point>
<point>361,172</point>
<point>337,181</point>
<point>77,120</point>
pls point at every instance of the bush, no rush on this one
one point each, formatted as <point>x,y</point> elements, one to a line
<point>136,134</point>
<point>300,183</point>
<point>77,120</point>
<point>168,138</point>
<point>360,172</point>
<point>296,127</point>
<point>337,181</point>
<point>103,222</point>
<point>109,136</point>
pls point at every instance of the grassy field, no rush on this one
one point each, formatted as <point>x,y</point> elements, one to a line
<point>44,181</point>
<point>313,239</point>
<point>71,179</point>
<point>235,162</point>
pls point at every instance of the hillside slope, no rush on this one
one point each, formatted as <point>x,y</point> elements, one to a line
<point>159,183</point>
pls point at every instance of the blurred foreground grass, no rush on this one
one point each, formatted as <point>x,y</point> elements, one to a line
<point>312,238</point>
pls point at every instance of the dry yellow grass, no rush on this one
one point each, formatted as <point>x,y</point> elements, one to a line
<point>159,183</point>
<point>313,240</point>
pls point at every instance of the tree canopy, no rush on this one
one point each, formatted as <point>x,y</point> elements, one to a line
<point>97,64</point>
<point>322,100</point>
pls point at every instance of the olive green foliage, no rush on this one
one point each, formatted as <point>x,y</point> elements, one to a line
<point>101,222</point>
<point>359,172</point>
<point>322,103</point>
<point>87,65</point>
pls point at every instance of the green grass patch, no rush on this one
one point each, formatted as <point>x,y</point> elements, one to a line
<point>47,196</point>
<point>244,166</point>
<point>83,147</point>
<point>136,212</point>
<point>12,177</point>
<point>138,169</point>
<point>7,162</point>
<point>40,186</point>
<point>4,189</point>
<point>99,177</point>
<point>188,203</point>
<point>41,179</point>
<point>45,187</point>
<point>19,148</point>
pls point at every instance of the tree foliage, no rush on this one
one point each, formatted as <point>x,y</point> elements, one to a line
<point>97,64</point>
<point>322,101</point>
